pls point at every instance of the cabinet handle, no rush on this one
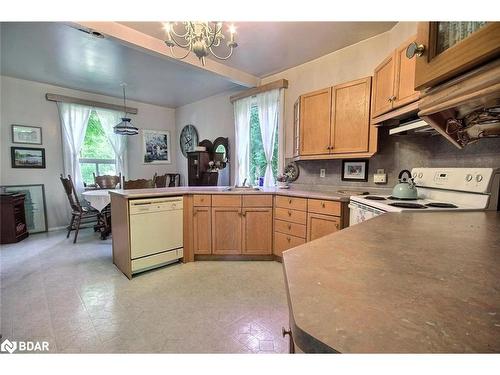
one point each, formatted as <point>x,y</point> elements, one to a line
<point>244,213</point>
<point>336,226</point>
<point>393,98</point>
<point>389,99</point>
<point>289,226</point>
<point>323,204</point>
<point>327,147</point>
<point>288,239</point>
<point>415,49</point>
<point>289,213</point>
<point>289,201</point>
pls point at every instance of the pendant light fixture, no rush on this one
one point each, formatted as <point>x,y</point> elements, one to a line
<point>125,127</point>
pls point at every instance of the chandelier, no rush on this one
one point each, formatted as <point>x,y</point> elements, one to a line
<point>200,38</point>
<point>125,127</point>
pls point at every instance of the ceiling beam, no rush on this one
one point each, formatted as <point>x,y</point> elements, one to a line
<point>146,43</point>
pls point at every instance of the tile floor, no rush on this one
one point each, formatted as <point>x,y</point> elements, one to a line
<point>74,297</point>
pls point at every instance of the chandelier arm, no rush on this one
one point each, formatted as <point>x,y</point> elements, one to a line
<point>178,44</point>
<point>172,30</point>
<point>222,58</point>
<point>179,58</point>
<point>214,35</point>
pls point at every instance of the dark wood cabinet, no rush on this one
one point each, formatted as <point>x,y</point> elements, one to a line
<point>13,219</point>
<point>197,166</point>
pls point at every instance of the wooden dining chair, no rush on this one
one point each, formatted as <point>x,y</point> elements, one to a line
<point>138,184</point>
<point>174,179</point>
<point>160,181</point>
<point>107,181</point>
<point>79,214</point>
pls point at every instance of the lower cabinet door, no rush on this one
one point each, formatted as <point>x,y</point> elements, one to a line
<point>320,225</point>
<point>202,230</point>
<point>226,230</point>
<point>284,242</point>
<point>257,231</point>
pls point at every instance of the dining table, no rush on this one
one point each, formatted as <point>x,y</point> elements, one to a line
<point>100,200</point>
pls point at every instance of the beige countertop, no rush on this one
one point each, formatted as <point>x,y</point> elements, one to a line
<point>399,283</point>
<point>183,190</point>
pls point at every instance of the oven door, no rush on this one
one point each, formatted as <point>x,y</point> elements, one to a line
<point>359,212</point>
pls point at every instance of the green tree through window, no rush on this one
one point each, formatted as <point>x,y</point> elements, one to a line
<point>257,156</point>
<point>97,155</point>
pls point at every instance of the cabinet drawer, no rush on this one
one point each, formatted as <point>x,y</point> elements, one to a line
<point>284,242</point>
<point>226,200</point>
<point>291,202</point>
<point>294,216</point>
<point>324,207</point>
<point>294,229</point>
<point>202,200</point>
<point>257,201</point>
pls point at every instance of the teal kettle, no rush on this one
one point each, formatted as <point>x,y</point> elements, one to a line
<point>406,188</point>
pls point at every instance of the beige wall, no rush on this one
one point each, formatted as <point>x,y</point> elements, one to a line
<point>213,117</point>
<point>353,62</point>
<point>23,102</point>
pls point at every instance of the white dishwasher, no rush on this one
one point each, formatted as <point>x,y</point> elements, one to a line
<point>156,232</point>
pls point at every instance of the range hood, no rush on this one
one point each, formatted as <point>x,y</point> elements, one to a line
<point>467,108</point>
<point>414,126</point>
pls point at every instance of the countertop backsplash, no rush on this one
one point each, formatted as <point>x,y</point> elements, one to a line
<point>397,153</point>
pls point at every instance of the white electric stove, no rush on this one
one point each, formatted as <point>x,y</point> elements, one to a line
<point>439,189</point>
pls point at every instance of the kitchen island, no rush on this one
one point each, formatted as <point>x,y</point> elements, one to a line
<point>214,223</point>
<point>399,283</point>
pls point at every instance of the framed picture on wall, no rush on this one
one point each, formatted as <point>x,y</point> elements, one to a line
<point>355,170</point>
<point>156,147</point>
<point>27,157</point>
<point>26,134</point>
<point>34,205</point>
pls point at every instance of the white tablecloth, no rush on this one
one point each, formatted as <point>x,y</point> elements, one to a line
<point>97,198</point>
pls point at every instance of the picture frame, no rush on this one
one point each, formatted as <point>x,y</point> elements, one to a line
<point>35,207</point>
<point>355,170</point>
<point>27,157</point>
<point>156,147</point>
<point>24,134</point>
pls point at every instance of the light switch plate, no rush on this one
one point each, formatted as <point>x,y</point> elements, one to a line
<point>322,172</point>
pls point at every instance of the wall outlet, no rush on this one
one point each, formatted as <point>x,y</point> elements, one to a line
<point>380,177</point>
<point>322,173</point>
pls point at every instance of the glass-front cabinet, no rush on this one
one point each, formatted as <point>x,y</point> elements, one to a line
<point>446,49</point>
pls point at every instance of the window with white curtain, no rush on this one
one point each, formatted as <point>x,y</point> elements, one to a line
<point>96,155</point>
<point>258,138</point>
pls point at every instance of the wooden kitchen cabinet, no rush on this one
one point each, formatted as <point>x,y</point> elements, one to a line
<point>319,225</point>
<point>257,231</point>
<point>350,129</point>
<point>393,81</point>
<point>315,118</point>
<point>226,230</point>
<point>444,50</point>
<point>202,230</point>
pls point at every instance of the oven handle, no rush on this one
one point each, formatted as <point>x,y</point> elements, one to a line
<point>360,206</point>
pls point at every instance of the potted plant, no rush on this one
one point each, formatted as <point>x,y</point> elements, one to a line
<point>282,181</point>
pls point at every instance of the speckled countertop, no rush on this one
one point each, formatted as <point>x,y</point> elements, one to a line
<point>399,283</point>
<point>182,190</point>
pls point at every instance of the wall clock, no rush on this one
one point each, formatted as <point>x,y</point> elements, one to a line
<point>188,139</point>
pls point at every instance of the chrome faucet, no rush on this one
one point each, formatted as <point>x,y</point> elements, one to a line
<point>244,182</point>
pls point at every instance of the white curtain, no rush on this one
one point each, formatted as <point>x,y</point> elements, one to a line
<point>268,106</point>
<point>109,119</point>
<point>74,120</point>
<point>242,134</point>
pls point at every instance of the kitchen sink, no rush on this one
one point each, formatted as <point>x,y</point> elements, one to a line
<point>243,188</point>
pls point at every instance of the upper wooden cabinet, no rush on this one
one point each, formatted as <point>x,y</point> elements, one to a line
<point>335,122</point>
<point>444,50</point>
<point>315,119</point>
<point>350,129</point>
<point>393,81</point>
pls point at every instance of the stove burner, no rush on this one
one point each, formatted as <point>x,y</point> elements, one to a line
<point>374,198</point>
<point>401,199</point>
<point>407,205</point>
<point>441,205</point>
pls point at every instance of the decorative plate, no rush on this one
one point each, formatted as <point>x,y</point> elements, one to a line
<point>292,170</point>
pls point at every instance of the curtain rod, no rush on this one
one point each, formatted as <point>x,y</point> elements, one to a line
<point>279,84</point>
<point>90,103</point>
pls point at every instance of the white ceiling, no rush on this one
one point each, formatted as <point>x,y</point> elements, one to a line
<point>57,54</point>
<point>265,48</point>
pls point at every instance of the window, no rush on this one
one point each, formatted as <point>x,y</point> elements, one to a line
<point>97,155</point>
<point>257,157</point>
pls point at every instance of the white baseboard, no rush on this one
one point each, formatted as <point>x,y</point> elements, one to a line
<point>53,229</point>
